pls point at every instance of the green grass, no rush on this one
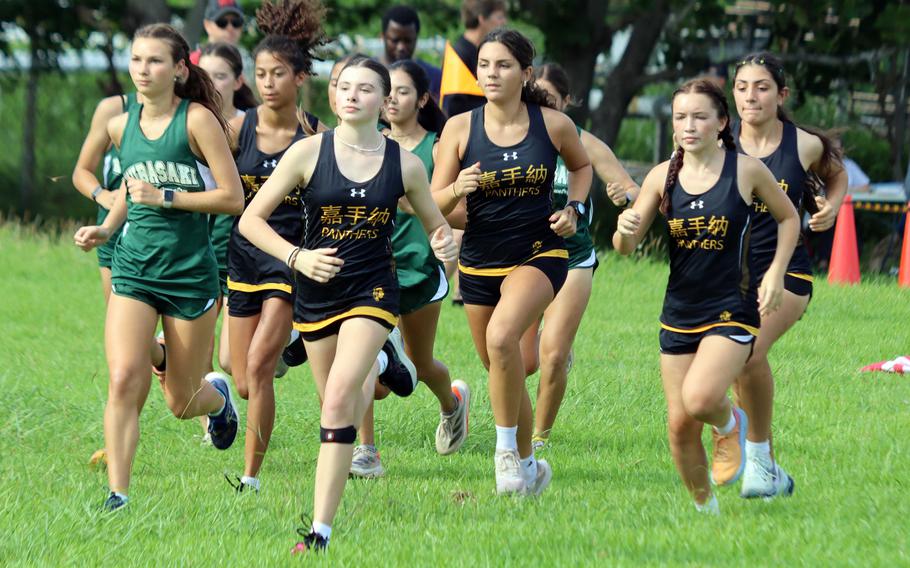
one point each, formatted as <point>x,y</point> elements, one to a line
<point>615,499</point>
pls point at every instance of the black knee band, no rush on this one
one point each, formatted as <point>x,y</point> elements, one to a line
<point>346,435</point>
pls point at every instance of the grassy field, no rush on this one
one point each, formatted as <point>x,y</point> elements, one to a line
<point>615,497</point>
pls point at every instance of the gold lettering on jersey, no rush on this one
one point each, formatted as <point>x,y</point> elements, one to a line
<point>513,181</point>
<point>760,207</point>
<point>252,184</point>
<point>690,233</point>
<point>352,214</point>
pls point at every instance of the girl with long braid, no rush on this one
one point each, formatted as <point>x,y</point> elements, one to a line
<point>712,308</point>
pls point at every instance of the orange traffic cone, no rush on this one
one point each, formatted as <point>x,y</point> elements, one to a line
<point>903,276</point>
<point>844,266</point>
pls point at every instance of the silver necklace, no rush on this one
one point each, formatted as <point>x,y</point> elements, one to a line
<point>361,148</point>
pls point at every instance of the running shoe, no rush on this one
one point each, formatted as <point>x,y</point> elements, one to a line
<point>312,542</point>
<point>453,428</point>
<point>538,443</point>
<point>113,502</point>
<point>730,451</point>
<point>765,480</point>
<point>508,472</point>
<point>294,353</point>
<point>281,368</point>
<point>400,375</point>
<point>366,462</point>
<point>222,427</point>
<point>544,476</point>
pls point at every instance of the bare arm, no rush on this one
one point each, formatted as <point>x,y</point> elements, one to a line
<point>450,183</point>
<point>96,143</point>
<point>633,223</point>
<point>835,179</point>
<point>565,138</point>
<point>620,184</point>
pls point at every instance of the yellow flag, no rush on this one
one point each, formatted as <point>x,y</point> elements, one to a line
<point>457,79</point>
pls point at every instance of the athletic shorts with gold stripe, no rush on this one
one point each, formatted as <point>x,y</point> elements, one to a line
<point>481,286</point>
<point>678,341</point>
<point>377,300</point>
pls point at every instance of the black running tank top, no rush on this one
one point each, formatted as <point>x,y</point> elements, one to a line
<point>508,215</point>
<point>791,178</point>
<point>709,280</point>
<point>356,218</point>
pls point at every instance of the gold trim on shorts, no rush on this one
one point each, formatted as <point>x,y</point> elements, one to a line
<point>749,328</point>
<point>806,277</point>
<point>371,311</point>
<point>505,271</point>
<point>243,287</point>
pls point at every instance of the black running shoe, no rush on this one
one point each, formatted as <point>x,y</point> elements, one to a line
<point>113,502</point>
<point>312,542</point>
<point>294,354</point>
<point>223,427</point>
<point>400,375</point>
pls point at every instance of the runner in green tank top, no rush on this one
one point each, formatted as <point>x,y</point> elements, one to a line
<point>164,264</point>
<point>415,119</point>
<point>563,316</point>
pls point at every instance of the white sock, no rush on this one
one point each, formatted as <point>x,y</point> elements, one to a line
<point>529,469</point>
<point>710,506</point>
<point>759,450</point>
<point>506,437</point>
<point>383,361</point>
<point>325,531</point>
<point>122,496</point>
<point>251,481</point>
<point>731,424</point>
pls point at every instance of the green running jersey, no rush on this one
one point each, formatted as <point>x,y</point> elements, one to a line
<point>414,258</point>
<point>164,251</point>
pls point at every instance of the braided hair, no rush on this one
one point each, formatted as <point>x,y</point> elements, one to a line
<point>719,102</point>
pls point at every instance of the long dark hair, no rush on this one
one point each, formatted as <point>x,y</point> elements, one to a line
<point>557,76</point>
<point>243,97</point>
<point>522,50</point>
<point>719,102</point>
<point>831,160</point>
<point>430,116</point>
<point>293,31</point>
<point>197,86</point>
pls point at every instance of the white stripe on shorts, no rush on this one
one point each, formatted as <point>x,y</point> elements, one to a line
<point>443,287</point>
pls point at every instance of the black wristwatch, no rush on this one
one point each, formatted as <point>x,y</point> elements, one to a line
<point>168,199</point>
<point>579,208</point>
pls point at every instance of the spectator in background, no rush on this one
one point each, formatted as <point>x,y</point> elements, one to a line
<point>400,28</point>
<point>480,17</point>
<point>223,22</point>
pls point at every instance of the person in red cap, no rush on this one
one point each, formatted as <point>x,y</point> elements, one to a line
<point>223,21</point>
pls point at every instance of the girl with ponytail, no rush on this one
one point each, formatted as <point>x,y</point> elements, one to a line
<point>261,288</point>
<point>795,155</point>
<point>500,159</point>
<point>163,265</point>
<point>712,310</point>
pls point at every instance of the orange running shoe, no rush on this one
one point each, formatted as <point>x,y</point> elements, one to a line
<point>730,451</point>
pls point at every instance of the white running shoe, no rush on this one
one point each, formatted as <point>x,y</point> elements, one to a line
<point>760,480</point>
<point>544,476</point>
<point>508,472</point>
<point>366,462</point>
<point>453,428</point>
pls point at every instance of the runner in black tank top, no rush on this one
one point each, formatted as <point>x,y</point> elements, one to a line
<point>789,151</point>
<point>346,283</point>
<point>261,298</point>
<point>513,259</point>
<point>791,178</point>
<point>710,314</point>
